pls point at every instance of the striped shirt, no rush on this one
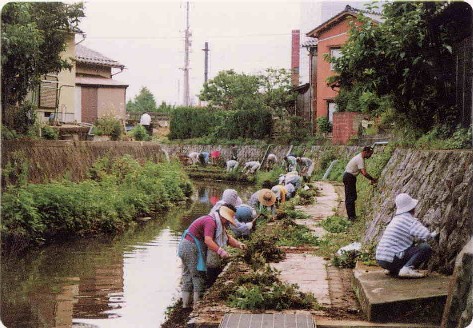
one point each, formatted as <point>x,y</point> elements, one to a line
<point>399,236</point>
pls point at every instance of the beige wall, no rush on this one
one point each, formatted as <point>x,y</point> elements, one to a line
<point>66,80</point>
<point>111,101</point>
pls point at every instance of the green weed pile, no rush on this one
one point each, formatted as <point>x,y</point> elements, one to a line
<point>116,193</point>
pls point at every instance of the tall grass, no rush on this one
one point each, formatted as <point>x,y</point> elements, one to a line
<point>118,191</point>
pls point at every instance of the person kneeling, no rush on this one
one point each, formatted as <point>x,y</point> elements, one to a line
<point>396,251</point>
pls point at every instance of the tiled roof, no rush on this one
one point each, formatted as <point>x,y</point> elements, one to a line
<point>347,11</point>
<point>89,56</point>
<point>309,43</point>
<point>92,80</point>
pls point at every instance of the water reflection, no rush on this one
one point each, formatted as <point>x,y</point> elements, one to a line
<point>126,281</point>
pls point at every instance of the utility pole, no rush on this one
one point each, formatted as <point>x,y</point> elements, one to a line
<point>206,71</point>
<point>187,45</point>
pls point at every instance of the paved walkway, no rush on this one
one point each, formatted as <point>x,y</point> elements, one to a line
<point>306,270</point>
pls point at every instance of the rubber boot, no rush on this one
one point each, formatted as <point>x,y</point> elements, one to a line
<point>196,298</point>
<point>186,300</point>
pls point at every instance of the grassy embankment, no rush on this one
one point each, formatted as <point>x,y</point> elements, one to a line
<point>116,193</point>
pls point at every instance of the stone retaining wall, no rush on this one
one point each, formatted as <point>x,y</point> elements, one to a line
<point>54,159</point>
<point>442,181</point>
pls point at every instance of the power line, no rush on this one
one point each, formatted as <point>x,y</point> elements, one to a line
<point>181,37</point>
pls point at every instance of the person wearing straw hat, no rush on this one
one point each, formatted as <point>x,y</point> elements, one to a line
<point>263,200</point>
<point>396,251</point>
<point>206,232</point>
<point>355,166</point>
<point>280,191</point>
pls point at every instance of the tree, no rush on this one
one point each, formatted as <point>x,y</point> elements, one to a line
<point>230,91</point>
<point>34,35</point>
<point>276,87</point>
<point>400,63</point>
<point>143,102</point>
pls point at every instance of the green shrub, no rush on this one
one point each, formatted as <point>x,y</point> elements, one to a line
<point>108,126</point>
<point>8,134</point>
<point>49,133</point>
<point>187,122</point>
<point>139,133</point>
<point>324,125</point>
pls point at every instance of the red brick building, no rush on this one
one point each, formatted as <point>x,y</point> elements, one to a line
<point>328,40</point>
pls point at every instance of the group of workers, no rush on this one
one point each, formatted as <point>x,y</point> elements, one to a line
<point>203,243</point>
<point>202,246</point>
<point>292,163</point>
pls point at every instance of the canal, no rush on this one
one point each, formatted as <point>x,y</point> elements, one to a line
<point>123,281</point>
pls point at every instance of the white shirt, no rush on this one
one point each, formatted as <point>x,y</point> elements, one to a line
<point>399,236</point>
<point>355,165</point>
<point>145,119</point>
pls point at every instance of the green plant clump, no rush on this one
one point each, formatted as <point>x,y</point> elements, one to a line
<point>262,290</point>
<point>49,133</point>
<point>335,224</point>
<point>108,126</point>
<point>118,191</point>
<point>139,133</point>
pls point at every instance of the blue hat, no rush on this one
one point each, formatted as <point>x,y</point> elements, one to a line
<point>244,213</point>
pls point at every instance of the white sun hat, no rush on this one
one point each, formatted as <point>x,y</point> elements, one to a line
<point>405,203</point>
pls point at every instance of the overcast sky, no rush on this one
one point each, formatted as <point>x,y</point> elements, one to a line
<point>148,38</point>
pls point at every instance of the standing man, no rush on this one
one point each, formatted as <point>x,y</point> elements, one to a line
<point>145,121</point>
<point>355,166</point>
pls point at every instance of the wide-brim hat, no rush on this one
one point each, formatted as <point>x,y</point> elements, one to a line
<point>405,203</point>
<point>266,197</point>
<point>227,213</point>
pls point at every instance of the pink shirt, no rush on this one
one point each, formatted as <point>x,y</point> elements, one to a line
<point>202,227</point>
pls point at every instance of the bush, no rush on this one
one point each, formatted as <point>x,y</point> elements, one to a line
<point>49,133</point>
<point>187,122</point>
<point>139,133</point>
<point>323,125</point>
<point>108,126</point>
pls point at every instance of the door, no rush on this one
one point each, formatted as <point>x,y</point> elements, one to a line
<point>89,104</point>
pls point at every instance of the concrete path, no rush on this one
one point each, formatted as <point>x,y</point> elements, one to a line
<point>326,205</point>
<point>308,271</point>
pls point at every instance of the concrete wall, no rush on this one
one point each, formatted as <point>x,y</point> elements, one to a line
<point>442,181</point>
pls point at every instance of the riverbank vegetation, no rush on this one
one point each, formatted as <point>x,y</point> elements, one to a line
<point>117,192</point>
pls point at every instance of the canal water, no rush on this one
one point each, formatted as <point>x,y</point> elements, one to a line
<point>125,281</point>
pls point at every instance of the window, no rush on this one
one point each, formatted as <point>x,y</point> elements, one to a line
<point>332,108</point>
<point>48,90</point>
<point>334,53</point>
